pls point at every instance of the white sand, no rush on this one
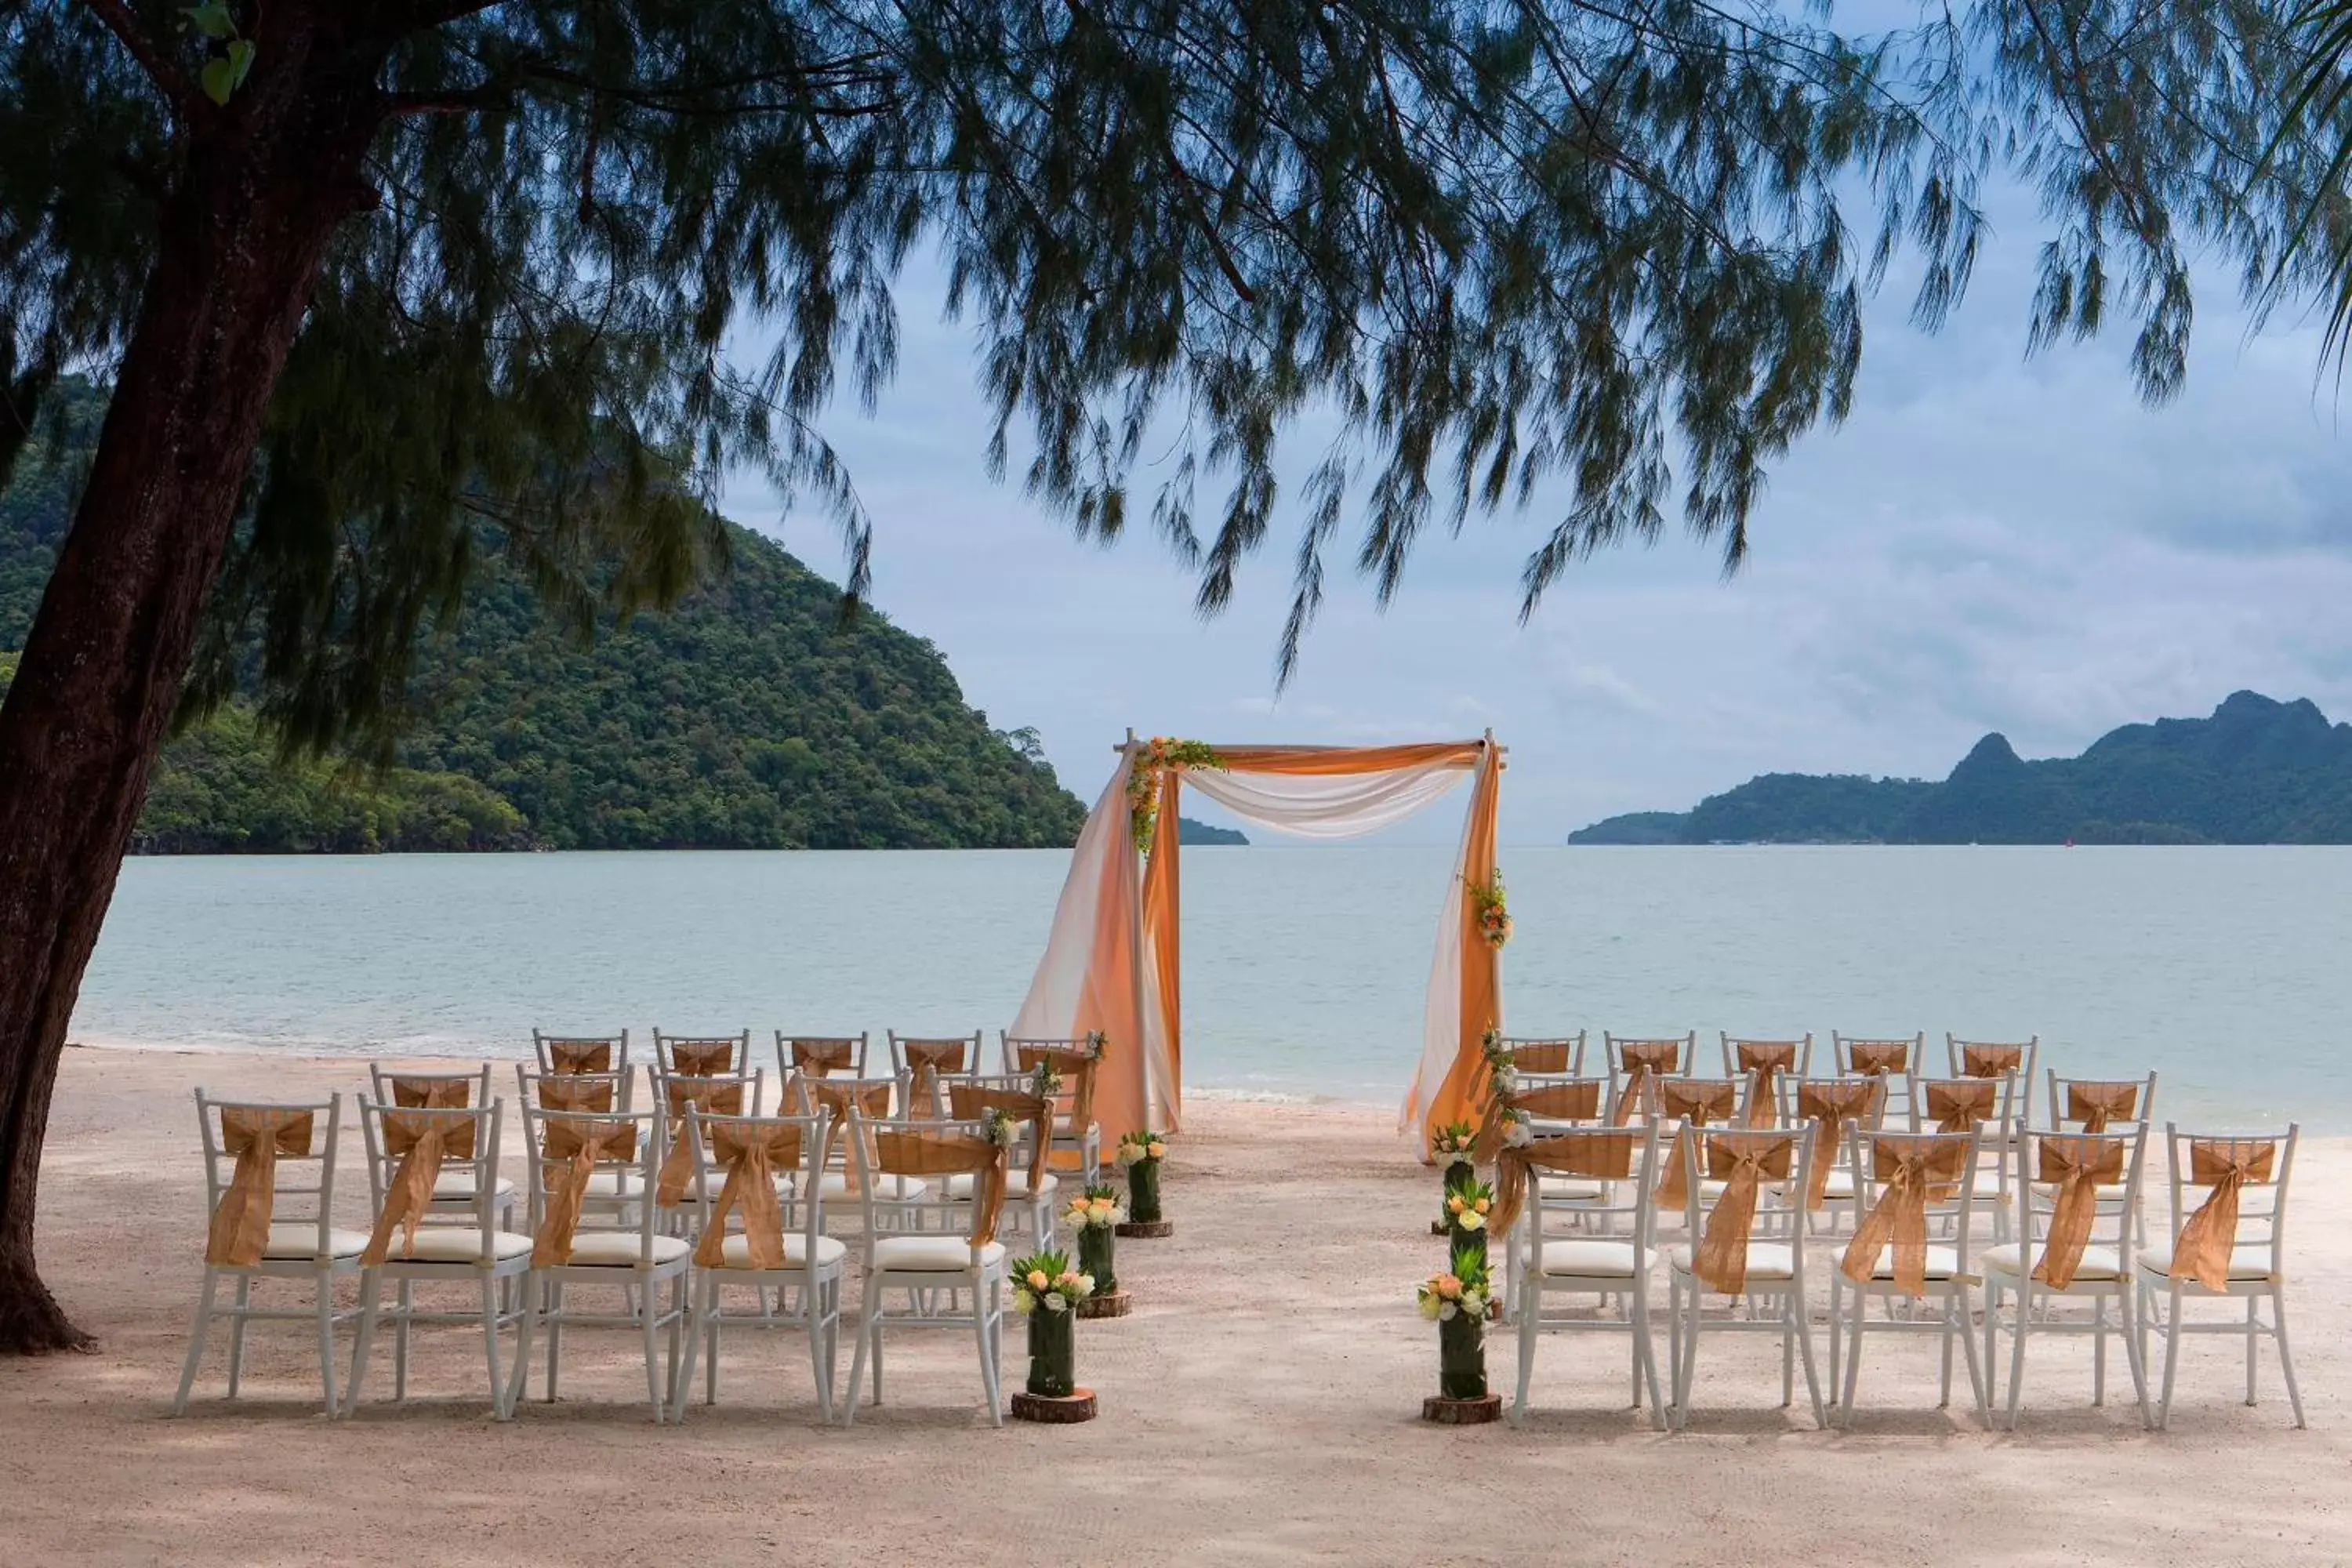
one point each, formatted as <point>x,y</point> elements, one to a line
<point>1239,1424</point>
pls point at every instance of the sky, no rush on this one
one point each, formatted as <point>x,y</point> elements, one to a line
<point>1988,543</point>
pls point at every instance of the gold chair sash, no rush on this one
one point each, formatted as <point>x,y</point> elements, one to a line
<point>580,1055</point>
<point>1829,1104</point>
<point>1959,1104</point>
<point>2096,1104</point>
<point>701,1059</point>
<point>1542,1056</point>
<point>1742,1161</point>
<point>821,1057</point>
<point>422,1139</point>
<point>2080,1163</point>
<point>432,1093</point>
<point>904,1154</point>
<point>752,1155</point>
<point>721,1097</point>
<point>1695,1102</point>
<point>580,1144</point>
<point>1767,1059</point>
<point>1076,1066</point>
<point>853,1106</point>
<point>926,1060</point>
<point>2224,1165</point>
<point>1577,1100</point>
<point>1641,1060</point>
<point>591,1095</point>
<point>1990,1060</point>
<point>1911,1172</point>
<point>971,1103</point>
<point>239,1232</point>
<point>1875,1059</point>
<point>1594,1156</point>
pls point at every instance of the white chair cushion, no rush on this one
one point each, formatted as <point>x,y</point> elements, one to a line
<point>2250,1260</point>
<point>457,1243</point>
<point>1766,1260</point>
<point>2098,1262</point>
<point>1569,1190</point>
<point>887,1189</point>
<point>736,1251</point>
<point>619,1249</point>
<point>1016,1185</point>
<point>615,1184</point>
<point>1943,1262</point>
<point>460,1185</point>
<point>1582,1259</point>
<point>300,1238</point>
<point>927,1253</point>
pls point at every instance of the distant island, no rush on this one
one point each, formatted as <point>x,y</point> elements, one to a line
<point>1191,832</point>
<point>2256,771</point>
<point>745,718</point>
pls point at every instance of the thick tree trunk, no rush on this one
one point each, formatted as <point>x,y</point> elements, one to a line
<point>240,244</point>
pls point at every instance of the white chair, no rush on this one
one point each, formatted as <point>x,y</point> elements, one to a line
<point>615,1192</point>
<point>823,1055</point>
<point>1076,1062</point>
<point>702,1055</point>
<point>865,1099</point>
<point>568,1150</point>
<point>1633,1060</point>
<point>1989,1107</point>
<point>1030,1189</point>
<point>581,1053</point>
<point>1772,1061</point>
<point>738,1162</point>
<point>1546,1056</point>
<point>1621,1161</point>
<point>2068,1189</point>
<point>2212,1255</point>
<point>679,1183</point>
<point>1891,1057</point>
<point>934,1270</point>
<point>409,1149</point>
<point>1828,1106</point>
<point>1990,1059</point>
<point>257,1154</point>
<point>1912,1209</point>
<point>453,1196</point>
<point>2089,1104</point>
<point>1748,1245</point>
<point>950,1055</point>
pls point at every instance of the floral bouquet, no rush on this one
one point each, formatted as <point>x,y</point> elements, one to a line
<point>1493,913</point>
<point>1159,755</point>
<point>1466,1207</point>
<point>1140,1154</point>
<point>1457,1302</point>
<point>1451,1145</point>
<point>1046,1290</point>
<point>1094,1215</point>
<point>1043,1081</point>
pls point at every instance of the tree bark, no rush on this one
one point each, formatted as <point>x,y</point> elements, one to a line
<point>241,238</point>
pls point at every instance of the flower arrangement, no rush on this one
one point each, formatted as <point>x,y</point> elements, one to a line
<point>1094,1215</point>
<point>1462,1292</point>
<point>1452,1146</point>
<point>1493,912</point>
<point>1457,1302</point>
<point>1046,1289</point>
<point>1098,1208</point>
<point>1158,755</point>
<point>1466,1208</point>
<point>1140,1154</point>
<point>1134,1148</point>
<point>1046,1282</point>
<point>1043,1081</point>
<point>1001,1129</point>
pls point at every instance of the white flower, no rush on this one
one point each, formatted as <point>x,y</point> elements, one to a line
<point>1055,1302</point>
<point>1457,1157</point>
<point>1506,1081</point>
<point>1086,1286</point>
<point>1474,1303</point>
<point>1431,1306</point>
<point>1446,1311</point>
<point>1024,1302</point>
<point>1129,1154</point>
<point>1519,1131</point>
<point>1470,1220</point>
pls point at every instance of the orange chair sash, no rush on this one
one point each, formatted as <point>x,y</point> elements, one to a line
<point>2080,1163</point>
<point>1829,1104</point>
<point>1695,1102</point>
<point>239,1232</point>
<point>721,1097</point>
<point>2096,1104</point>
<point>1911,1172</point>
<point>1959,1104</point>
<point>1542,1056</point>
<point>1742,1161</point>
<point>1992,1060</point>
<point>908,1153</point>
<point>2224,1165</point>
<point>580,1055</point>
<point>926,1060</point>
<point>971,1103</point>
<point>579,1145</point>
<point>701,1059</point>
<point>1595,1156</point>
<point>751,1156</point>
<point>1875,1059</point>
<point>1641,1060</point>
<point>1767,1059</point>
<point>423,1138</point>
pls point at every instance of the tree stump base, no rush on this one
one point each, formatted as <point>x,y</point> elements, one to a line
<point>1149,1227</point>
<point>1077,1406</point>
<point>1116,1304</point>
<point>1462,1412</point>
<point>1438,1228</point>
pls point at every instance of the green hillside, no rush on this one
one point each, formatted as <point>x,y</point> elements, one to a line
<point>747,716</point>
<point>2256,771</point>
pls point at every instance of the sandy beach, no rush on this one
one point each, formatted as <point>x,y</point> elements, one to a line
<point>1260,1405</point>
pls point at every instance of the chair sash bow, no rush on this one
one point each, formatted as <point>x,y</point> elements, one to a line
<point>593,1095</point>
<point>580,1055</point>
<point>1742,1161</point>
<point>1642,1060</point>
<point>721,1098</point>
<point>1076,1066</point>
<point>752,1155</point>
<point>969,1102</point>
<point>824,1057</point>
<point>2224,1165</point>
<point>1767,1059</point>
<point>1695,1102</point>
<point>926,1060</point>
<point>2096,1104</point>
<point>1875,1059</point>
<point>1990,1061</point>
<point>1911,1173</point>
<point>1828,1105</point>
<point>239,1232</point>
<point>701,1059</point>
<point>1959,1104</point>
<point>1541,1056</point>
<point>2080,1165</point>
<point>898,1154</point>
<point>581,1145</point>
<point>422,1137</point>
<point>1594,1156</point>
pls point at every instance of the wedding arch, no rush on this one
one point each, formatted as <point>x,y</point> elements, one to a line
<point>1111,962</point>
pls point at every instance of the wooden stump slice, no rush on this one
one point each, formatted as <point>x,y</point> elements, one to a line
<point>1078,1407</point>
<point>1462,1412</point>
<point>1147,1227</point>
<point>1117,1304</point>
<point>1438,1228</point>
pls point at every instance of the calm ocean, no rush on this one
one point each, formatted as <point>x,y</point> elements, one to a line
<point>2224,969</point>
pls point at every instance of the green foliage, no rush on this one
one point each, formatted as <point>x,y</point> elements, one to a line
<point>2256,771</point>
<point>1190,832</point>
<point>748,717</point>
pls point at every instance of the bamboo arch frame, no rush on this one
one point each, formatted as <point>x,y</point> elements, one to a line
<point>1113,962</point>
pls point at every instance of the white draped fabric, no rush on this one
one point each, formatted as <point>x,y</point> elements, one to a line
<point>1065,998</point>
<point>1342,806</point>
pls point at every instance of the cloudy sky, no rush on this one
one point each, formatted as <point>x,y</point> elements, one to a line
<point>1988,543</point>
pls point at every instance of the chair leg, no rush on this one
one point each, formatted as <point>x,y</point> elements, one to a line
<point>1837,1317</point>
<point>1944,1386</point>
<point>1526,1329</point>
<point>197,1343</point>
<point>711,1328</point>
<point>1789,1352</point>
<point>1853,1357</point>
<point>401,1311</point>
<point>529,1292</point>
<point>2253,1359</point>
<point>2124,1307</point>
<point>821,1329</point>
<point>646,1321</point>
<point>326,1285</point>
<point>2022,1314</point>
<point>988,1368</point>
<point>1980,1376</point>
<point>363,1345</point>
<point>236,1334</point>
<point>2171,1337</point>
<point>857,1361</point>
<point>492,1290</point>
<point>1645,1348</point>
<point>2286,1360</point>
<point>2098,1352</point>
<point>552,1300</point>
<point>1796,1325</point>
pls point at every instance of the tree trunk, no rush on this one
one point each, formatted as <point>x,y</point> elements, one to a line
<point>240,241</point>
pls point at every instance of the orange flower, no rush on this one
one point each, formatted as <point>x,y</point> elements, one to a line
<point>1449,1287</point>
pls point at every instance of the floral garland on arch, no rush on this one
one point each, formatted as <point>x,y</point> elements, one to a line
<point>1506,1125</point>
<point>1493,911</point>
<point>1159,755</point>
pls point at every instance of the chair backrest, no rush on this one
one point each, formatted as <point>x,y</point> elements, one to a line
<point>1624,1160</point>
<point>1990,1059</point>
<point>1075,1061</point>
<point>422,1089</point>
<point>736,1161</point>
<point>2092,1103</point>
<point>951,1056</point>
<point>1863,1056</point>
<point>590,1093</point>
<point>1548,1055</point>
<point>676,1095</point>
<point>410,1143</point>
<point>2209,1172</point>
<point>257,1152</point>
<point>1965,1104</point>
<point>1700,1101</point>
<point>887,1153</point>
<point>1827,1107</point>
<point>2044,1180</point>
<point>1633,1060</point>
<point>1763,1172</point>
<point>853,1104</point>
<point>564,1148</point>
<point>1768,1057</point>
<point>581,1053</point>
<point>1904,1184</point>
<point>1562,1098</point>
<point>824,1055</point>
<point>702,1054</point>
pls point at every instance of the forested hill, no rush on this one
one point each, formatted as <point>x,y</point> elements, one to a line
<point>2256,771</point>
<point>745,718</point>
